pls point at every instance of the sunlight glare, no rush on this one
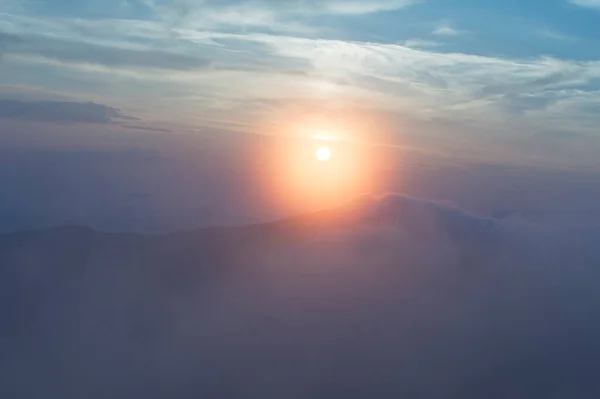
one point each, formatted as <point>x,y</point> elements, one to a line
<point>323,154</point>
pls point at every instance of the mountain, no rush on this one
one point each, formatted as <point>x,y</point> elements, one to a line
<point>380,297</point>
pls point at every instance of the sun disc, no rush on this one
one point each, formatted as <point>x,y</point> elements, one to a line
<point>323,154</point>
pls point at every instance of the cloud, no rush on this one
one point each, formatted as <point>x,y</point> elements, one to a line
<point>6,40</point>
<point>554,35</point>
<point>266,15</point>
<point>385,298</point>
<point>420,43</point>
<point>315,6</point>
<point>147,128</point>
<point>413,83</point>
<point>215,69</point>
<point>60,112</point>
<point>363,7</point>
<point>469,77</point>
<point>445,30</point>
<point>586,3</point>
<point>72,51</point>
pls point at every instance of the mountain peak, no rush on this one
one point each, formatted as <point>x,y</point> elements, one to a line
<point>415,216</point>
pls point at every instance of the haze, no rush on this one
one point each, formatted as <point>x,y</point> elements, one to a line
<point>299,199</point>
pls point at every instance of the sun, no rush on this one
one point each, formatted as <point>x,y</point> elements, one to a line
<point>323,154</point>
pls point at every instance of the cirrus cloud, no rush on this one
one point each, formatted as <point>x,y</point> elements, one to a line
<point>60,112</point>
<point>586,3</point>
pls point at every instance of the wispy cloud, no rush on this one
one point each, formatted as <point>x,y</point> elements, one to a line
<point>315,6</point>
<point>445,30</point>
<point>551,34</point>
<point>60,112</point>
<point>421,43</point>
<point>586,3</point>
<point>76,51</point>
<point>269,15</point>
<point>364,7</point>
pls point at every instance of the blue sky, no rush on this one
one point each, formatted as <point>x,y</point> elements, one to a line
<point>509,82</point>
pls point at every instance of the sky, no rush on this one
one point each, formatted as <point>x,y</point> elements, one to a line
<point>447,84</point>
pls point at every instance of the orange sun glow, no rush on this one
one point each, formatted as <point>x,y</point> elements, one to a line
<point>308,173</point>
